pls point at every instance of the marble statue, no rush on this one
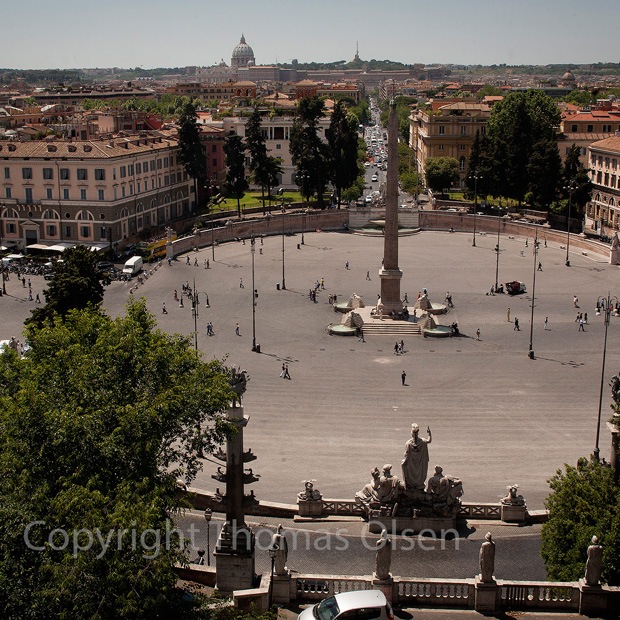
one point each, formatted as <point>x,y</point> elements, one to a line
<point>445,491</point>
<point>370,493</point>
<point>513,499</point>
<point>238,383</point>
<point>415,463</point>
<point>309,493</point>
<point>389,486</point>
<point>594,563</point>
<point>383,558</point>
<point>279,540</point>
<point>487,559</point>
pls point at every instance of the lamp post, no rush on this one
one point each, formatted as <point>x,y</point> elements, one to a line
<point>572,185</point>
<point>283,221</point>
<point>212,241</point>
<point>499,221</point>
<point>273,551</point>
<point>604,304</point>
<point>195,296</point>
<point>303,226</point>
<point>531,351</point>
<point>254,296</point>
<point>208,516</point>
<point>475,177</point>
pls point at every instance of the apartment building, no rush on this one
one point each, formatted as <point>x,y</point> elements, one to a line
<point>603,210</point>
<point>586,127</point>
<point>93,192</point>
<point>447,130</point>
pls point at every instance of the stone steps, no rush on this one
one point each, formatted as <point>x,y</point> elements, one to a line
<point>392,328</point>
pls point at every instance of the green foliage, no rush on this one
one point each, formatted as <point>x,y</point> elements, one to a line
<point>441,173</point>
<point>236,182</point>
<point>488,91</point>
<point>99,420</point>
<point>77,283</point>
<point>575,175</point>
<point>361,111</point>
<point>584,502</point>
<point>581,98</point>
<point>191,153</point>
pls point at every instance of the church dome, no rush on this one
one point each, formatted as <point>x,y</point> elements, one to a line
<point>568,77</point>
<point>243,54</point>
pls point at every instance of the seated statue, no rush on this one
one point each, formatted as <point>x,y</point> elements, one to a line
<point>512,499</point>
<point>309,493</point>
<point>390,486</point>
<point>445,491</point>
<point>370,493</point>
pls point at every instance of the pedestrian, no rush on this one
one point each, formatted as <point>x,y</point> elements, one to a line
<point>208,264</point>
<point>286,372</point>
<point>241,283</point>
<point>169,262</point>
<point>181,303</point>
<point>195,262</point>
<point>581,325</point>
<point>396,348</point>
<point>402,346</point>
<point>403,377</point>
<point>492,291</point>
<point>585,318</point>
<point>29,294</point>
<point>163,308</point>
<point>283,373</point>
<point>23,281</point>
<point>38,299</point>
<point>323,283</point>
<point>517,328</point>
<point>575,301</point>
<point>539,266</point>
<point>577,317</point>
<point>237,330</point>
<point>406,300</point>
<point>368,275</point>
<point>546,323</point>
<point>187,260</point>
<point>176,295</point>
<point>360,333</point>
<point>545,241</point>
<point>478,334</point>
<point>346,265</point>
<point>508,315</point>
<point>29,283</point>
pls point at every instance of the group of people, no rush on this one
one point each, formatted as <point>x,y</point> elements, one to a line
<point>399,347</point>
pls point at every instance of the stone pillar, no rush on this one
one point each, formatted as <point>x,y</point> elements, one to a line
<point>281,589</point>
<point>310,507</point>
<point>390,274</point>
<point>614,456</point>
<point>592,599</point>
<point>486,596</point>
<point>385,585</point>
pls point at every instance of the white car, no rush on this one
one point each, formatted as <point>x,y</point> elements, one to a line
<point>370,604</point>
<point>368,199</point>
<point>374,178</point>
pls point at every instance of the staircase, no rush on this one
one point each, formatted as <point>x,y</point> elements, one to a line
<point>392,328</point>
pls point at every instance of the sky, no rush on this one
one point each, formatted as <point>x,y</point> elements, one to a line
<point>44,34</point>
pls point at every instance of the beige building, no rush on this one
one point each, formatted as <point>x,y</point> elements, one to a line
<point>447,131</point>
<point>603,210</point>
<point>94,192</point>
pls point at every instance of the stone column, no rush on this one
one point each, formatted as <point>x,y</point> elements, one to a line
<point>390,274</point>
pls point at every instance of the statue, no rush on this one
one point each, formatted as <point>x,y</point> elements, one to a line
<point>487,559</point>
<point>279,540</point>
<point>445,492</point>
<point>309,493</point>
<point>169,232</point>
<point>512,499</point>
<point>615,388</point>
<point>238,383</point>
<point>370,493</point>
<point>415,463</point>
<point>383,558</point>
<point>389,486</point>
<point>594,563</point>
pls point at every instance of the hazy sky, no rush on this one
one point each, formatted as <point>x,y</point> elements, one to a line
<point>42,34</point>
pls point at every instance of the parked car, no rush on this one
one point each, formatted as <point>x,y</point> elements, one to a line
<point>105,265</point>
<point>374,178</point>
<point>363,604</point>
<point>515,287</point>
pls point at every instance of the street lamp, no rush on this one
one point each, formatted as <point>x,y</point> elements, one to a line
<point>283,222</point>
<point>605,305</point>
<point>531,351</point>
<point>255,347</point>
<point>195,295</point>
<point>273,551</point>
<point>572,185</point>
<point>208,516</point>
<point>475,177</point>
<point>303,226</point>
<point>499,221</point>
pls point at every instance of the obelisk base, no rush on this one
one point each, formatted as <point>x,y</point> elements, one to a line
<point>390,291</point>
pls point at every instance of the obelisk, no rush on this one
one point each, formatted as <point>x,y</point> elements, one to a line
<point>390,274</point>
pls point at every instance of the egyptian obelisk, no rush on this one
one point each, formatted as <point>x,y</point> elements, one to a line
<point>390,274</point>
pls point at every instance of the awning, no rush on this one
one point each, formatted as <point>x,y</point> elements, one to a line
<point>37,246</point>
<point>57,248</point>
<point>98,248</point>
<point>15,256</point>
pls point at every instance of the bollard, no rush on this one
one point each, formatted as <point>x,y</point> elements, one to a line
<point>278,286</point>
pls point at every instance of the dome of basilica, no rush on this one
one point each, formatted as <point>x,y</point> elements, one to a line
<point>242,55</point>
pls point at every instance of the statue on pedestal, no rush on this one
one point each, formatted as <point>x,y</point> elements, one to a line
<point>309,493</point>
<point>594,563</point>
<point>415,463</point>
<point>370,493</point>
<point>445,492</point>
<point>487,559</point>
<point>279,540</point>
<point>389,486</point>
<point>513,499</point>
<point>383,558</point>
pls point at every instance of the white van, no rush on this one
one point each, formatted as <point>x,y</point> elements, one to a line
<point>133,266</point>
<point>363,604</point>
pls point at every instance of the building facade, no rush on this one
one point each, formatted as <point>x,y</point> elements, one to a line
<point>603,210</point>
<point>92,192</point>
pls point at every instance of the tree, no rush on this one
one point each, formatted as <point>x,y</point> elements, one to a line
<point>343,142</point>
<point>98,422</point>
<point>576,175</point>
<point>310,155</point>
<point>256,145</point>
<point>76,283</point>
<point>236,183</point>
<point>441,173</point>
<point>544,174</point>
<point>584,502</point>
<point>192,153</point>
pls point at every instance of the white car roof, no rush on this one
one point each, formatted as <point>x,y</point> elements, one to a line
<point>360,598</point>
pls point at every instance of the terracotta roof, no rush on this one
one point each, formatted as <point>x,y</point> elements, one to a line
<point>592,137</point>
<point>608,144</point>
<point>88,149</point>
<point>597,115</point>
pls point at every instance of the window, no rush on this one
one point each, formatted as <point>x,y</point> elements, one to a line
<point>590,129</point>
<point>442,130</point>
<point>159,164</point>
<point>82,174</point>
<point>138,168</point>
<point>139,186</point>
<point>28,191</point>
<point>85,232</point>
<point>68,231</point>
<point>100,194</point>
<point>123,191</point>
<point>166,180</point>
<point>606,128</point>
<point>123,172</point>
<point>462,164</point>
<point>7,173</point>
<point>131,189</point>
<point>99,174</point>
<point>278,147</point>
<point>165,162</point>
<point>65,193</point>
<point>50,230</point>
<point>48,173</point>
<point>27,173</point>
<point>462,147</point>
<point>152,165</point>
<point>130,170</point>
<point>214,148</point>
<point>82,194</point>
<point>8,193</point>
<point>441,147</point>
<point>49,193</point>
<point>463,131</point>
<point>573,128</point>
<point>64,174</point>
<point>10,229</point>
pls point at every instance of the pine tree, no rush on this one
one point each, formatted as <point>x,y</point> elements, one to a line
<point>236,182</point>
<point>192,153</point>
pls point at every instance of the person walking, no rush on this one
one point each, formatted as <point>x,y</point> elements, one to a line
<point>237,330</point>
<point>346,265</point>
<point>163,308</point>
<point>241,283</point>
<point>403,377</point>
<point>368,275</point>
<point>539,266</point>
<point>187,260</point>
<point>406,299</point>
<point>323,283</point>
<point>517,328</point>
<point>396,348</point>
<point>508,315</point>
<point>38,299</point>
<point>585,318</point>
<point>546,323</point>
<point>575,301</point>
<point>286,372</point>
<point>360,333</point>
<point>195,262</point>
<point>581,325</point>
<point>283,373</point>
<point>478,334</point>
